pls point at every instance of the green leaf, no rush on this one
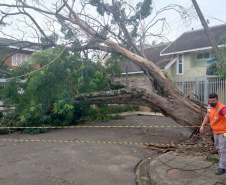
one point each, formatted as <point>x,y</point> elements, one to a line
<point>55,110</point>
<point>32,109</point>
<point>145,178</point>
<point>42,72</point>
<point>22,118</point>
<point>68,106</point>
<point>40,105</point>
<point>32,102</point>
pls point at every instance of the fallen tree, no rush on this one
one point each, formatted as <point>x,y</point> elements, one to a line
<point>165,96</point>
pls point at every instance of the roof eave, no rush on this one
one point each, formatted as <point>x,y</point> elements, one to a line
<point>190,50</point>
<point>170,63</point>
<point>16,47</point>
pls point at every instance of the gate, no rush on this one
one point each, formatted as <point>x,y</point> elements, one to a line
<point>200,87</point>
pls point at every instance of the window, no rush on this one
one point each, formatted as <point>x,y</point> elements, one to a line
<point>201,56</point>
<point>180,64</point>
<point>18,59</point>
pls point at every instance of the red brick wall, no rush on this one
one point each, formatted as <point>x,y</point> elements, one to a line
<point>9,61</point>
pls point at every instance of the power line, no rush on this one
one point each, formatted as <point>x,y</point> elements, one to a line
<point>189,12</point>
<point>208,14</point>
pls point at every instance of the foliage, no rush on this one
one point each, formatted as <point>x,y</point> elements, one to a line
<point>36,130</point>
<point>211,159</point>
<point>219,69</point>
<point>53,37</point>
<point>142,10</point>
<point>211,69</point>
<point>3,51</point>
<point>113,109</point>
<point>3,54</point>
<point>112,64</point>
<point>109,112</point>
<point>145,178</point>
<point>167,74</point>
<point>48,94</point>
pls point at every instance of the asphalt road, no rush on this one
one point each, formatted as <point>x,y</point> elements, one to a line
<point>64,163</point>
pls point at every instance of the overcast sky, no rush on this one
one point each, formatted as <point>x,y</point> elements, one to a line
<point>214,11</point>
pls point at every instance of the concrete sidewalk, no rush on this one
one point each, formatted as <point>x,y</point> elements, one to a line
<point>173,169</point>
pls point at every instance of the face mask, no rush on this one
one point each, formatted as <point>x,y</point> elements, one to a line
<point>213,104</point>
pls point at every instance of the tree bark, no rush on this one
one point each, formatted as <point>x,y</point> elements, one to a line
<point>184,111</point>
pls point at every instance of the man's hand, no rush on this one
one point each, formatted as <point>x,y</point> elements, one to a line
<point>201,130</point>
<point>205,121</point>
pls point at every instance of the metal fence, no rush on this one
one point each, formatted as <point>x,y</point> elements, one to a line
<point>200,87</point>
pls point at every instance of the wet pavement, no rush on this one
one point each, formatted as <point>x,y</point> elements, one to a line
<point>41,162</point>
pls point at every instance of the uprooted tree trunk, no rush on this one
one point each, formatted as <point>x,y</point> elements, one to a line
<point>185,111</point>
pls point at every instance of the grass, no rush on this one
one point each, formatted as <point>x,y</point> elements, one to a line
<point>212,159</point>
<point>145,178</point>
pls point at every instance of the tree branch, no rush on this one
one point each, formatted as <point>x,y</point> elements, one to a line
<point>2,71</point>
<point>123,27</point>
<point>39,28</point>
<point>120,96</point>
<point>4,60</point>
<point>118,36</point>
<point>26,6</point>
<point>93,47</point>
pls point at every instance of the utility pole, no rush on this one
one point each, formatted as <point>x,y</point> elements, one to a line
<point>206,28</point>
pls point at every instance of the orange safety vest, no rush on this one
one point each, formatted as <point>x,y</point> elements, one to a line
<point>217,122</point>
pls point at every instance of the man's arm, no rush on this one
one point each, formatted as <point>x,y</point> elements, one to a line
<point>223,111</point>
<point>205,121</point>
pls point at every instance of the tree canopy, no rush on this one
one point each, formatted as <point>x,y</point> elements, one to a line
<point>46,95</point>
<point>216,67</point>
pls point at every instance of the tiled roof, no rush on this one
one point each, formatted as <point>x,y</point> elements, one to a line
<point>152,54</point>
<point>19,44</point>
<point>195,39</point>
<point>131,67</point>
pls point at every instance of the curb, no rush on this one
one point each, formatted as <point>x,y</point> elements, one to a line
<point>142,170</point>
<point>154,175</point>
<point>137,171</point>
<point>170,168</point>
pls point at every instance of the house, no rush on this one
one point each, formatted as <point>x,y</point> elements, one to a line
<point>185,62</point>
<point>22,50</point>
<point>190,53</point>
<point>18,53</point>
